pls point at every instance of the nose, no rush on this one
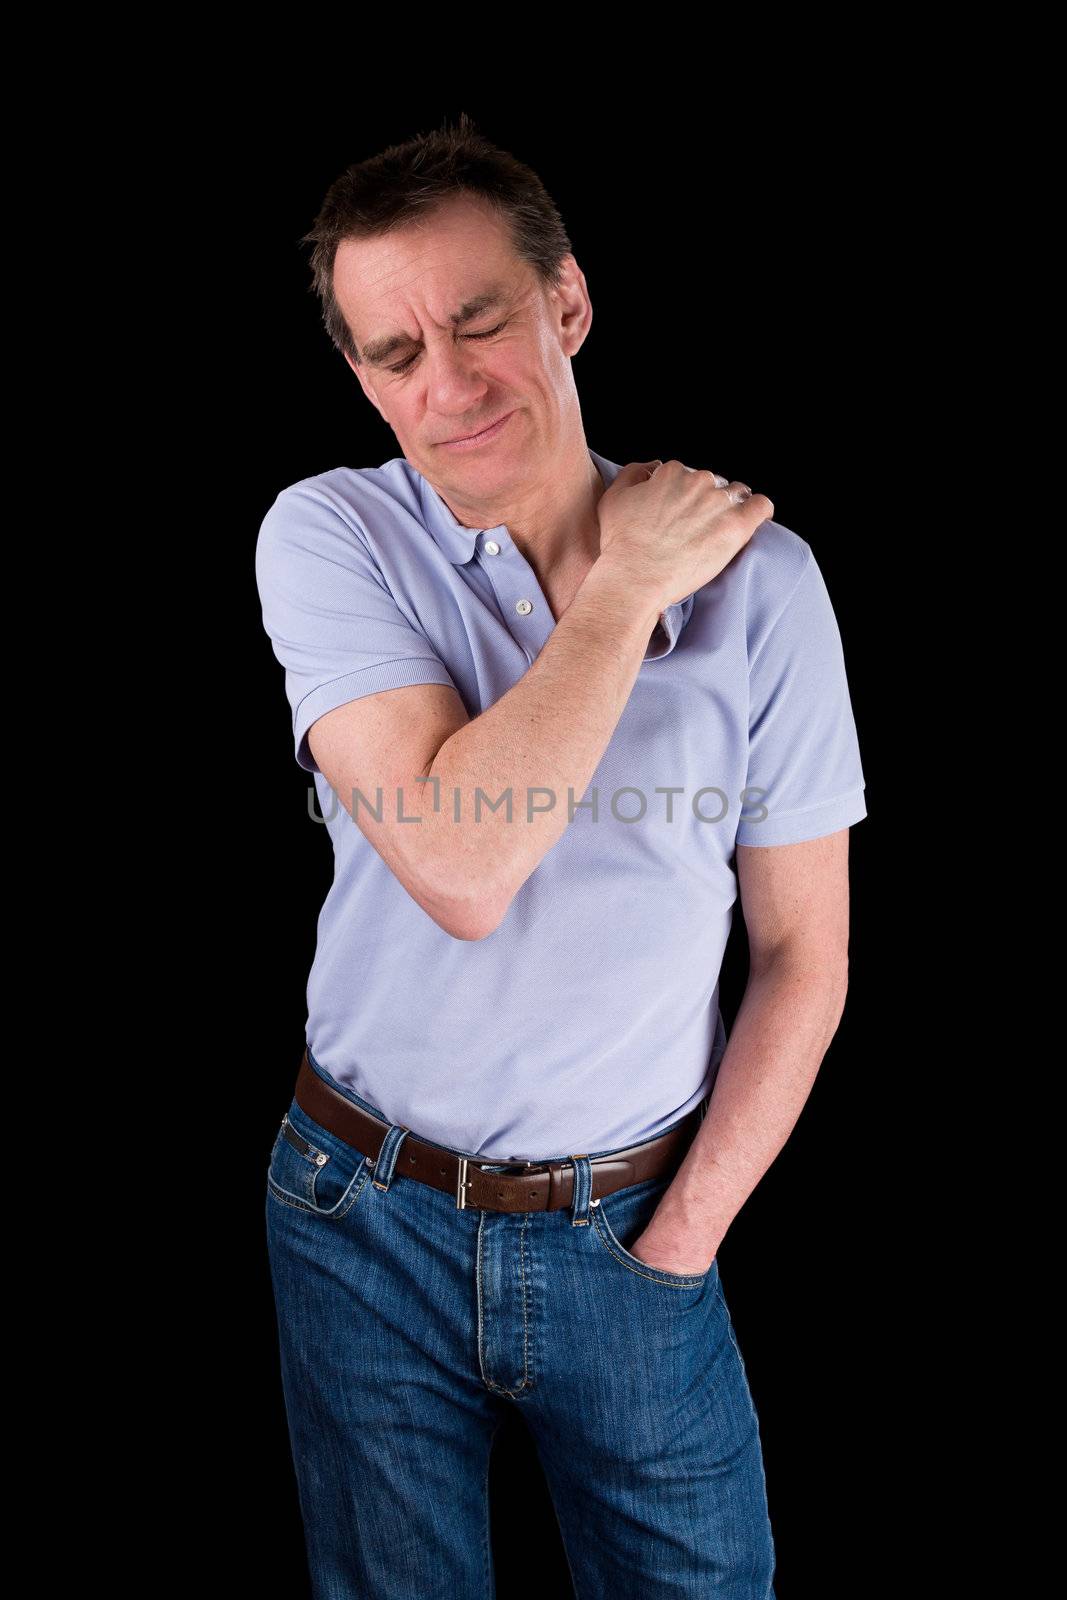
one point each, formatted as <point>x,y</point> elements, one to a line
<point>455,388</point>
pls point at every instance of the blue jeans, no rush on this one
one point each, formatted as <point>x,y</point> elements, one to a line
<point>406,1326</point>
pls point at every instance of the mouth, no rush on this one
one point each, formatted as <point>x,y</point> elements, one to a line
<point>474,439</point>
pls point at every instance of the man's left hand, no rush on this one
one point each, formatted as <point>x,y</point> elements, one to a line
<point>669,1250</point>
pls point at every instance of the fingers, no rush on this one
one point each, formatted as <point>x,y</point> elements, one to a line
<point>760,504</point>
<point>738,491</point>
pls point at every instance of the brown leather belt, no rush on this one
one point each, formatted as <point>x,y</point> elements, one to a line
<point>527,1186</point>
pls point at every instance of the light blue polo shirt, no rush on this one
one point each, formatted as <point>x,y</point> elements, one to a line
<point>589,1019</point>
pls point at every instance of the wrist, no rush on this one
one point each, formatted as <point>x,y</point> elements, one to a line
<point>626,592</point>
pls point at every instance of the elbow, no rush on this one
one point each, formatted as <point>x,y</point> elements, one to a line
<point>820,979</point>
<point>464,908</point>
<point>836,991</point>
<point>460,923</point>
<point>471,914</point>
<point>469,931</point>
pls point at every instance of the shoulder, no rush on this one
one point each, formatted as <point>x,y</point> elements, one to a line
<point>331,513</point>
<point>346,491</point>
<point>772,563</point>
<point>755,588</point>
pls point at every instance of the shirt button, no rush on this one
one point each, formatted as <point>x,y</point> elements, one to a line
<point>491,547</point>
<point>523,607</point>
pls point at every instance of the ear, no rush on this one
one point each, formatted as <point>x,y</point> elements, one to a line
<point>573,307</point>
<point>365,385</point>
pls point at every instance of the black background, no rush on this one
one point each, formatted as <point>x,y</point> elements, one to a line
<point>750,316</point>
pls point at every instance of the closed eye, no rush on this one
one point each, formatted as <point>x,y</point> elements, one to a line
<point>487,334</point>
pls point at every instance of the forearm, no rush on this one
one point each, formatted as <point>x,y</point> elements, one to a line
<point>788,1016</point>
<point>548,732</point>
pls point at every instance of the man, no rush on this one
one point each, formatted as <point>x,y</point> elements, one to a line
<point>565,708</point>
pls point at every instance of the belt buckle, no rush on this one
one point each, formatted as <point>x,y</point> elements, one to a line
<point>461,1175</point>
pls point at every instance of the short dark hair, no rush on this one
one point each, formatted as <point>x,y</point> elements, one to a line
<point>407,181</point>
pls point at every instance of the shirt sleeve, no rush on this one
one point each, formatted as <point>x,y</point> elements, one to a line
<point>803,752</point>
<point>333,622</point>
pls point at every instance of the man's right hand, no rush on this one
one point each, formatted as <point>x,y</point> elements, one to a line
<point>674,531</point>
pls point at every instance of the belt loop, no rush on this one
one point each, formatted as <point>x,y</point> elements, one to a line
<point>386,1162</point>
<point>583,1188</point>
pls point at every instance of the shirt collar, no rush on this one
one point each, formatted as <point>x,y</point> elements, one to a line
<point>455,540</point>
<point>459,543</point>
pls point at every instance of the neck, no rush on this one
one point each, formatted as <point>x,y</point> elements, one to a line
<point>552,518</point>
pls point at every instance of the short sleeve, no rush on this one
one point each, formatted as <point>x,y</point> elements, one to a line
<point>333,623</point>
<point>803,751</point>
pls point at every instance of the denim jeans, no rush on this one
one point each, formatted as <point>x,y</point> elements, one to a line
<point>406,1326</point>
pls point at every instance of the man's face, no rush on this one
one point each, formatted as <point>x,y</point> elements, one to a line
<point>438,379</point>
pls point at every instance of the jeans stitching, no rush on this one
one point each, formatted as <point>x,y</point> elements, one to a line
<point>619,1253</point>
<point>333,1214</point>
<point>526,1382</point>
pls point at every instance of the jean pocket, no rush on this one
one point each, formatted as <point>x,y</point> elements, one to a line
<point>621,1218</point>
<point>312,1169</point>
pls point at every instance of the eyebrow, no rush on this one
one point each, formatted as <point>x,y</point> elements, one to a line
<point>377,351</point>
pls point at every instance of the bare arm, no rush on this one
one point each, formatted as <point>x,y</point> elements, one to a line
<point>795,901</point>
<point>661,537</point>
<point>548,732</point>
